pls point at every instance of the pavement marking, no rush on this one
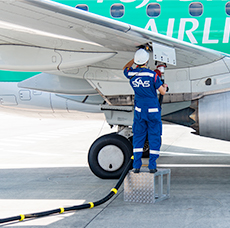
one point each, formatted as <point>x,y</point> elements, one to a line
<point>14,140</point>
<point>7,144</point>
<point>32,166</point>
<point>27,206</point>
<point>31,137</point>
<point>44,153</point>
<point>167,153</point>
<point>201,153</point>
<point>194,165</point>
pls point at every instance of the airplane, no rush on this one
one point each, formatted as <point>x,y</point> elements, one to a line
<point>68,55</point>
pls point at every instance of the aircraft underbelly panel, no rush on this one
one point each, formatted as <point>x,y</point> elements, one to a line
<point>58,84</point>
<point>108,81</point>
<point>117,88</point>
<point>210,84</point>
<point>74,106</point>
<point>215,68</point>
<point>178,80</point>
<point>8,100</point>
<point>31,102</point>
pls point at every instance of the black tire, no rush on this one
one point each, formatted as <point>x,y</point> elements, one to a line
<point>121,144</point>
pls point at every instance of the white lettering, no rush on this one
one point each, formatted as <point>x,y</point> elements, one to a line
<point>142,4</point>
<point>152,24</point>
<point>127,1</point>
<point>195,25</point>
<point>206,32</point>
<point>226,30</point>
<point>170,27</point>
<point>138,82</point>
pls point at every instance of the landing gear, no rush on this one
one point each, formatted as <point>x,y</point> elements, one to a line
<point>109,155</point>
<point>145,148</point>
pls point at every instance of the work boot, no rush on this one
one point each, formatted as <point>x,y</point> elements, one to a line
<point>136,170</point>
<point>153,170</point>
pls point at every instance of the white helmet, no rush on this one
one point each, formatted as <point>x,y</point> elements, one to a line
<point>141,57</point>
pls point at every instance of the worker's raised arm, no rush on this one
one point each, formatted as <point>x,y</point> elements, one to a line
<point>162,89</point>
<point>129,64</point>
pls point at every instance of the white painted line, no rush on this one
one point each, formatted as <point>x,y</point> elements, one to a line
<point>14,207</point>
<point>13,140</point>
<point>202,153</point>
<point>51,136</point>
<point>194,165</point>
<point>35,166</point>
<point>166,153</point>
<point>34,153</point>
<point>8,144</point>
<point>35,138</point>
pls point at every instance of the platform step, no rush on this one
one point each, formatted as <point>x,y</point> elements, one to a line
<point>145,187</point>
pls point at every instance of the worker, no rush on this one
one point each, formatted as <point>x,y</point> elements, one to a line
<point>147,110</point>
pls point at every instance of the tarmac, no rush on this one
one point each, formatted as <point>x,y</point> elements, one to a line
<point>43,165</point>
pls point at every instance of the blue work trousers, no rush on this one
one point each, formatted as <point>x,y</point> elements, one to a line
<point>146,123</point>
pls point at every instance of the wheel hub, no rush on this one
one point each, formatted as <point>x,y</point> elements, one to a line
<point>110,158</point>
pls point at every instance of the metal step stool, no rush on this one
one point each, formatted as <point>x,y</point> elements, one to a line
<point>145,187</point>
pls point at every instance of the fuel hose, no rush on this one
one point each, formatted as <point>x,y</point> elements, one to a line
<point>161,96</point>
<point>161,69</point>
<point>73,208</point>
<point>161,99</point>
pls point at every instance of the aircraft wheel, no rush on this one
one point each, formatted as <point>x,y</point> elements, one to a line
<point>109,155</point>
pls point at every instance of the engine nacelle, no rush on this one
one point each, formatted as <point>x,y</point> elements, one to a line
<point>214,116</point>
<point>209,116</point>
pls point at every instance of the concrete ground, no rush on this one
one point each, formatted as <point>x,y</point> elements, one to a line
<point>43,165</point>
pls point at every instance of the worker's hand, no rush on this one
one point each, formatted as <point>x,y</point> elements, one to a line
<point>166,87</point>
<point>129,64</point>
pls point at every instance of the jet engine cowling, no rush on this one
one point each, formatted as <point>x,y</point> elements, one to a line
<point>214,116</point>
<point>209,116</point>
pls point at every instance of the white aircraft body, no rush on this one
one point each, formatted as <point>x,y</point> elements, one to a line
<point>80,55</point>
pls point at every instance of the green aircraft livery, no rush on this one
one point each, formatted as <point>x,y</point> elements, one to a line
<point>205,23</point>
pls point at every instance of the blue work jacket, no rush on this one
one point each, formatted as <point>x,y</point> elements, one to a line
<point>144,82</point>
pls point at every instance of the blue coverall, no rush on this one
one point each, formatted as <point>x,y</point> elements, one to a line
<point>147,113</point>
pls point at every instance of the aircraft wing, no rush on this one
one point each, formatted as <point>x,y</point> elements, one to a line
<point>47,36</point>
<point>81,53</point>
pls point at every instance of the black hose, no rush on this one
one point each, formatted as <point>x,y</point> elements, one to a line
<point>161,96</point>
<point>161,99</point>
<point>77,207</point>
